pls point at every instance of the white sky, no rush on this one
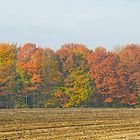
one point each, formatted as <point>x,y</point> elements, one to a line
<point>52,23</point>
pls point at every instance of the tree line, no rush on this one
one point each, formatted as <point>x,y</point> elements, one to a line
<point>72,76</point>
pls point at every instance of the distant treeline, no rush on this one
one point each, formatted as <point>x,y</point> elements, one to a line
<point>72,76</point>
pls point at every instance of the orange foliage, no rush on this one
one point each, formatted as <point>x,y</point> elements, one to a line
<point>108,100</point>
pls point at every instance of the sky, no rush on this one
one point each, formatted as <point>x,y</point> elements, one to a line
<point>52,23</point>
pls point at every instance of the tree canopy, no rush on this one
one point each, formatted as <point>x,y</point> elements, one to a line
<point>72,76</point>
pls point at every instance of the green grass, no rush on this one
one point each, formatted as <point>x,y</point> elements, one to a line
<point>73,124</point>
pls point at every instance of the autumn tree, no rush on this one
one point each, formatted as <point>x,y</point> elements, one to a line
<point>110,78</point>
<point>7,71</point>
<point>130,73</point>
<point>28,68</point>
<point>76,81</point>
<point>50,74</point>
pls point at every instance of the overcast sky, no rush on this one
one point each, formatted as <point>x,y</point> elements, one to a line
<point>52,23</point>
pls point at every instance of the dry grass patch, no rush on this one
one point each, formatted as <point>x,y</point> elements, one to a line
<point>70,124</point>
